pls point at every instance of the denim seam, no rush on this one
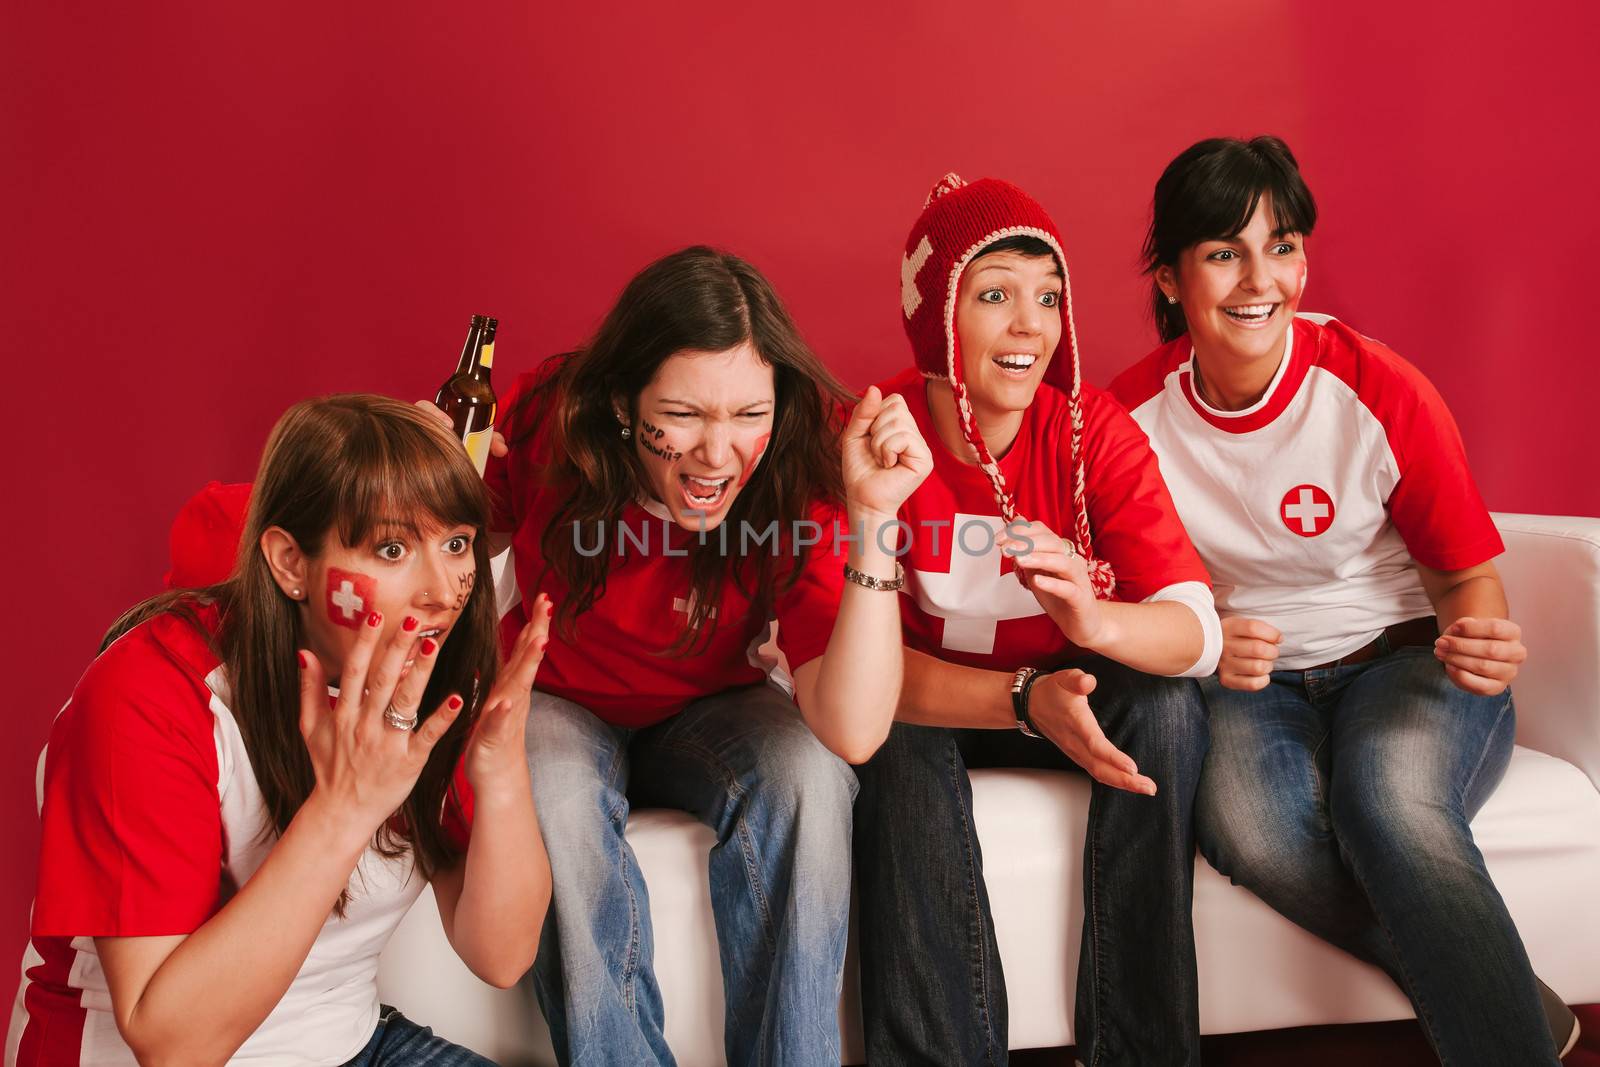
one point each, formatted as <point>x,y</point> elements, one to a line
<point>976,928</point>
<point>741,830</point>
<point>1488,743</point>
<point>1091,920</point>
<point>617,816</point>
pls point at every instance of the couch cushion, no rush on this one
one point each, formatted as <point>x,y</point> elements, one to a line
<point>1540,833</point>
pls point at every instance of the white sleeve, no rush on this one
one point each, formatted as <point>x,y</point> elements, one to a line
<point>1196,596</point>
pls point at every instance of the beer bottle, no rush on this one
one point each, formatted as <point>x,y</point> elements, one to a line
<point>467,396</point>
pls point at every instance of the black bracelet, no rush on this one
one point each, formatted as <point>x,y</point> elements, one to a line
<point>1021,688</point>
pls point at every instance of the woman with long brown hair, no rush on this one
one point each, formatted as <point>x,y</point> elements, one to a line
<point>680,484</point>
<point>225,848</point>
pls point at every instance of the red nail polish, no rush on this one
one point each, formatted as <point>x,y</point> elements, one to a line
<point>301,656</point>
<point>455,702</point>
<point>375,620</point>
<point>409,624</point>
<point>428,646</point>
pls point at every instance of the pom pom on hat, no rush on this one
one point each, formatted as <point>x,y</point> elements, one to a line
<point>204,541</point>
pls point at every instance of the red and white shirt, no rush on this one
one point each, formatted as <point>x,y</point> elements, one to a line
<point>1311,506</point>
<point>151,821</point>
<point>966,606</point>
<point>621,665</point>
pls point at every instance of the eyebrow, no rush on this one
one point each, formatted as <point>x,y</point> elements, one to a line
<point>386,528</point>
<point>669,402</point>
<point>1055,268</point>
<point>1233,238</point>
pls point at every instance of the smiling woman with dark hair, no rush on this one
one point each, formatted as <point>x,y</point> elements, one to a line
<point>1362,712</point>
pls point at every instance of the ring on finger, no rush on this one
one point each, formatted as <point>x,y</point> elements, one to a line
<point>397,721</point>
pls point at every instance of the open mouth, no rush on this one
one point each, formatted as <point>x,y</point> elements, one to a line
<point>703,493</point>
<point>1251,314</point>
<point>1015,364</point>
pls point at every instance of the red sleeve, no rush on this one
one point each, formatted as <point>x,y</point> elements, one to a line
<point>1132,520</point>
<point>131,840</point>
<point>806,610</point>
<point>1435,505</point>
<point>456,817</point>
<point>527,441</point>
<point>497,471</point>
<point>1148,377</point>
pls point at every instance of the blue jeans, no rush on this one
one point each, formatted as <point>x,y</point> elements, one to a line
<point>1342,798</point>
<point>932,987</point>
<point>399,1042</point>
<point>745,764</point>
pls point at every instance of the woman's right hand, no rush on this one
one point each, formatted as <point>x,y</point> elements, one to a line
<point>1249,649</point>
<point>364,767</point>
<point>497,441</point>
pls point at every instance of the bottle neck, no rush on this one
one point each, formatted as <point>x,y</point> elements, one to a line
<point>469,351</point>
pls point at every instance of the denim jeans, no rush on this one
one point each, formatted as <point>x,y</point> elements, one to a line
<point>932,987</point>
<point>1342,798</point>
<point>399,1042</point>
<point>744,763</point>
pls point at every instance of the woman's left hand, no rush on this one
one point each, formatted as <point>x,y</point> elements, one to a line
<point>1481,656</point>
<point>1054,572</point>
<point>885,457</point>
<point>495,754</point>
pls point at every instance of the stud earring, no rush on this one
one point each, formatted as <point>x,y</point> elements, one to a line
<point>627,432</point>
<point>1172,300</point>
<point>295,593</point>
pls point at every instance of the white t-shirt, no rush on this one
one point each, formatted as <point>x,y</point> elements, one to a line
<point>1311,507</point>
<point>151,820</point>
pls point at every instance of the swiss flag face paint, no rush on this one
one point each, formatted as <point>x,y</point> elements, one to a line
<point>350,597</point>
<point>755,459</point>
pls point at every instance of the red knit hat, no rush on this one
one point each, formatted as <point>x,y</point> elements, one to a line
<point>958,221</point>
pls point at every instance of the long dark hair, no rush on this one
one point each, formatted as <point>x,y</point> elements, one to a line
<point>342,465</point>
<point>698,299</point>
<point>1209,192</point>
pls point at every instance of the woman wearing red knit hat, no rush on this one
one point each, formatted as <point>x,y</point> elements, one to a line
<point>1058,613</point>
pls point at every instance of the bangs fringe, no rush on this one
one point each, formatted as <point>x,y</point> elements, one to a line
<point>396,470</point>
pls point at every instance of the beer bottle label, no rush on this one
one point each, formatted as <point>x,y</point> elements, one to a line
<point>486,355</point>
<point>477,444</point>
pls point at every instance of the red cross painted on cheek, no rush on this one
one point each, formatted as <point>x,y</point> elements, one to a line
<point>755,459</point>
<point>350,597</point>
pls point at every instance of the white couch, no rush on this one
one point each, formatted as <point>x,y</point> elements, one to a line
<point>1540,833</point>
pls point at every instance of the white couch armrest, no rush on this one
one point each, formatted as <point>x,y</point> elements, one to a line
<point>1551,569</point>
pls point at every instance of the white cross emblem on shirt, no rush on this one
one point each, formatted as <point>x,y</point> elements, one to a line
<point>1310,506</point>
<point>346,600</point>
<point>974,596</point>
<point>910,295</point>
<point>687,606</point>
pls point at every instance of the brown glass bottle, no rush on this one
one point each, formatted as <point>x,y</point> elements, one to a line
<point>467,396</point>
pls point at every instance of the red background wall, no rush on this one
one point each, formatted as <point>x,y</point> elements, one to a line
<point>211,211</point>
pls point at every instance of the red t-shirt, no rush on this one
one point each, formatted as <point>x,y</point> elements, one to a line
<point>966,606</point>
<point>620,664</point>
